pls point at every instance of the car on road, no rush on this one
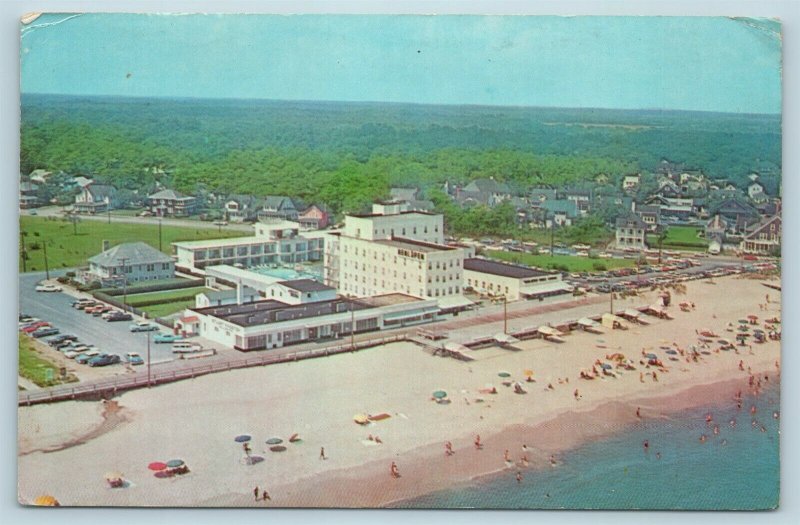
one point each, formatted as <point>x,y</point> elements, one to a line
<point>104,360</point>
<point>75,351</point>
<point>143,326</point>
<point>44,331</point>
<point>86,356</point>
<point>118,316</point>
<point>167,338</point>
<point>32,327</point>
<point>186,348</point>
<point>48,288</point>
<point>82,303</point>
<point>134,358</point>
<point>100,310</point>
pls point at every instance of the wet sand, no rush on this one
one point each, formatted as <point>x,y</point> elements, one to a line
<point>197,420</point>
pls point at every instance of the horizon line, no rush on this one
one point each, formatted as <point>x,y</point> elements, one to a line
<point>391,102</point>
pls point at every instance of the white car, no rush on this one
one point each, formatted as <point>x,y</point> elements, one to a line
<point>48,288</point>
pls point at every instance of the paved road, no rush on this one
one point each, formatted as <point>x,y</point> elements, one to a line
<point>55,211</point>
<point>115,338</point>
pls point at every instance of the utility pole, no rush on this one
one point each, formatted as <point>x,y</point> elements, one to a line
<point>505,314</point>
<point>124,261</point>
<point>552,234</point>
<point>46,267</point>
<point>108,210</point>
<point>148,359</point>
<point>352,326</point>
<point>74,220</point>
<point>23,251</point>
<point>159,234</point>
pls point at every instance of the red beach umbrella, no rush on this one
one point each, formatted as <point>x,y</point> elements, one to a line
<point>157,465</point>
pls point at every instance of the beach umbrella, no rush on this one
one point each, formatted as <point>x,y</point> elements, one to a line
<point>743,321</point>
<point>175,463</point>
<point>274,441</point>
<point>46,501</point>
<point>672,352</point>
<point>157,465</point>
<point>440,394</point>
<point>606,366</point>
<point>504,374</point>
<point>277,448</point>
<point>361,419</point>
<point>751,316</point>
<point>616,357</point>
<point>651,356</point>
<point>244,438</point>
<point>527,372</point>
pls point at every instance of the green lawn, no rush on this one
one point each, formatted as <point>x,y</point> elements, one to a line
<point>680,238</point>
<point>33,367</point>
<point>66,250</point>
<point>171,301</point>
<point>571,262</point>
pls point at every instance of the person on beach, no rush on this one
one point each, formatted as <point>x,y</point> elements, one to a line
<point>524,460</point>
<point>752,409</point>
<point>641,377</point>
<point>741,366</point>
<point>322,453</point>
<point>716,430</point>
<point>395,472</point>
<point>519,477</point>
<point>506,458</point>
<point>638,412</point>
<point>378,440</point>
<point>246,447</point>
<point>255,493</point>
<point>265,496</point>
<point>703,438</point>
<point>448,449</point>
<point>552,460</point>
<point>709,419</point>
<point>577,395</point>
<point>370,438</point>
<point>478,444</point>
<point>655,377</point>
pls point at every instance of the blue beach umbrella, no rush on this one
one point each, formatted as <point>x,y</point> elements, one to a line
<point>244,438</point>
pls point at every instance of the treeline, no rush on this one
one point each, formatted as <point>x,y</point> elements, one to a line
<point>347,154</point>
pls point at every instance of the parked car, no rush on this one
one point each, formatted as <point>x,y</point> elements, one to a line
<point>85,357</point>
<point>30,328</point>
<point>44,331</point>
<point>167,338</point>
<point>134,358</point>
<point>82,305</point>
<point>63,338</point>
<point>119,316</point>
<point>143,326</point>
<point>48,288</point>
<point>100,310</point>
<point>82,302</point>
<point>75,351</point>
<point>67,345</point>
<point>186,348</point>
<point>104,360</point>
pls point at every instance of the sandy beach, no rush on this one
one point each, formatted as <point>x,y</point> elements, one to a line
<point>66,448</point>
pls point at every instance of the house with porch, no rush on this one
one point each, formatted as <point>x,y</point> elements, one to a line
<point>630,233</point>
<point>95,198</point>
<point>764,238</point>
<point>170,203</point>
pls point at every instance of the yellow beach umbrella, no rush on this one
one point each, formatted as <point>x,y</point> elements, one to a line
<point>46,501</point>
<point>361,419</point>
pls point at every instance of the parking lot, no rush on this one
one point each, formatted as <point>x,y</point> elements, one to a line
<point>108,337</point>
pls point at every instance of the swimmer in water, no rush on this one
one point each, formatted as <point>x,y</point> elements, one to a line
<point>775,415</point>
<point>658,455</point>
<point>703,438</point>
<point>733,423</point>
<point>724,442</point>
<point>716,430</point>
<point>753,409</point>
<point>646,445</point>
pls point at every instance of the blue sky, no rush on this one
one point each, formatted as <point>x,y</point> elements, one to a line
<point>712,64</point>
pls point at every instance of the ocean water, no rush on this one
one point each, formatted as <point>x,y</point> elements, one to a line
<point>738,469</point>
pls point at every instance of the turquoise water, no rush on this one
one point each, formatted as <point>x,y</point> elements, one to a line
<point>739,473</point>
<point>287,274</point>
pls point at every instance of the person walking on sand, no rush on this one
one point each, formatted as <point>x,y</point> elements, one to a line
<point>478,444</point>
<point>641,377</point>
<point>322,453</point>
<point>638,412</point>
<point>577,395</point>
<point>394,470</point>
<point>655,377</point>
<point>448,449</point>
<point>265,496</point>
<point>741,365</point>
<point>255,493</point>
<point>506,457</point>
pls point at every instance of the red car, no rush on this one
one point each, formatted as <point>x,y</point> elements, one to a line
<point>35,326</point>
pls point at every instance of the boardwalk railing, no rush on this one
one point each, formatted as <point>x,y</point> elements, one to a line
<point>111,386</point>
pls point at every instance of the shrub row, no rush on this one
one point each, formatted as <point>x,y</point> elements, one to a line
<point>157,287</point>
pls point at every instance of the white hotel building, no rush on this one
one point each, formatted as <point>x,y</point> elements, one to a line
<point>393,250</point>
<point>275,242</point>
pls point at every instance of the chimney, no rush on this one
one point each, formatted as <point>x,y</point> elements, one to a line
<point>106,245</point>
<point>239,292</point>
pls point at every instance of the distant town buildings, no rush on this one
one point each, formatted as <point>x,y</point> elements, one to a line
<point>170,203</point>
<point>630,233</point>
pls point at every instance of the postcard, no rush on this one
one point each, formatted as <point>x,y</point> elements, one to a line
<point>340,261</point>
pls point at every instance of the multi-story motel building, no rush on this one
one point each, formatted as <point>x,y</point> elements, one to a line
<point>395,250</point>
<point>275,242</point>
<point>273,324</point>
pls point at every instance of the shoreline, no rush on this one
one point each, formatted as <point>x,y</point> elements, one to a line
<point>619,416</point>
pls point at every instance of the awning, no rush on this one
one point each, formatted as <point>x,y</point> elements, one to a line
<point>585,321</point>
<point>549,331</point>
<point>632,313</point>
<point>505,339</point>
<point>452,346</point>
<point>407,315</point>
<point>454,301</point>
<point>544,288</point>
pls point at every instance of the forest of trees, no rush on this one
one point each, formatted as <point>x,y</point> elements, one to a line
<point>348,154</point>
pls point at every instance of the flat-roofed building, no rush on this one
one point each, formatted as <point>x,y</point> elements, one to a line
<point>300,291</point>
<point>512,281</point>
<point>274,324</point>
<point>275,241</point>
